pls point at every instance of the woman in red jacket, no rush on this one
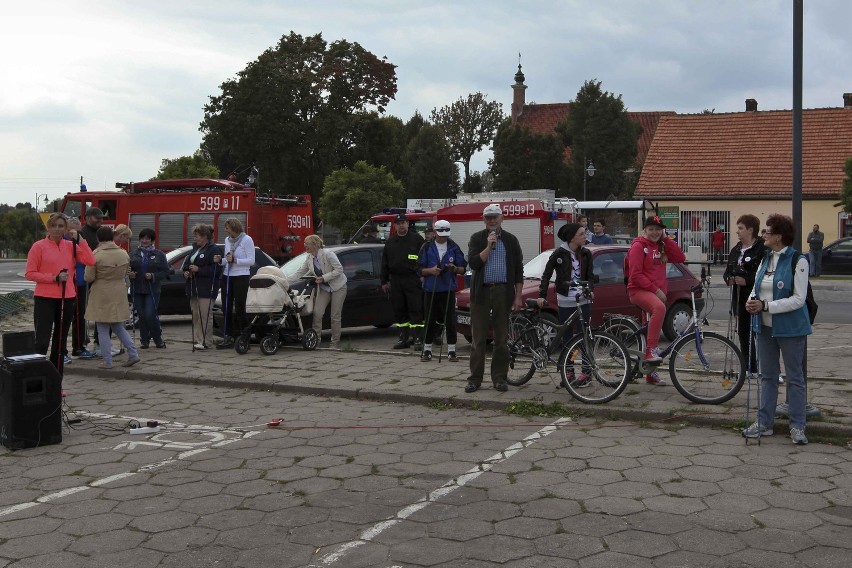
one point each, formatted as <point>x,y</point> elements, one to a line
<point>647,284</point>
<point>49,264</point>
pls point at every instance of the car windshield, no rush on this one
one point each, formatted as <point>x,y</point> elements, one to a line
<point>535,267</point>
<point>292,266</point>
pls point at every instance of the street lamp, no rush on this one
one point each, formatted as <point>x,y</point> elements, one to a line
<point>588,171</point>
<point>35,206</point>
<point>254,176</point>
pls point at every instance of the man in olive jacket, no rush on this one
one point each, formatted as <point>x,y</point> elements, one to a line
<point>497,262</point>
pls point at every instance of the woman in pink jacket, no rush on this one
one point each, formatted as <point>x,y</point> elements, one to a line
<point>647,284</point>
<point>49,264</point>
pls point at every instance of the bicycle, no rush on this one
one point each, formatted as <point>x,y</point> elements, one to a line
<point>704,366</point>
<point>593,366</point>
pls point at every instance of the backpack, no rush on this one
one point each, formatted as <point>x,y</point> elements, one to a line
<point>810,302</point>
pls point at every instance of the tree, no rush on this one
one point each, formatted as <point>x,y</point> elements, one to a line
<point>379,141</point>
<point>432,171</point>
<point>350,196</point>
<point>846,192</point>
<point>599,129</point>
<point>525,160</point>
<point>187,167</point>
<point>19,227</point>
<point>291,111</point>
<point>468,125</point>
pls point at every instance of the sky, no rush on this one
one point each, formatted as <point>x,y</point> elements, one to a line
<point>107,89</point>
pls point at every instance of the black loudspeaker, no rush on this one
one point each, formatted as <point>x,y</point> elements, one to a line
<point>30,404</point>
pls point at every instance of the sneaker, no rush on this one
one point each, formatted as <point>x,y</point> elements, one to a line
<point>226,343</point>
<point>143,346</point>
<point>84,354</point>
<point>757,431</point>
<point>105,366</point>
<point>583,381</point>
<point>199,347</point>
<point>569,378</point>
<point>66,359</point>
<point>452,357</point>
<point>160,345</point>
<point>655,379</point>
<point>811,411</point>
<point>130,362</point>
<point>117,351</point>
<point>426,356</point>
<point>798,436</point>
<point>654,357</point>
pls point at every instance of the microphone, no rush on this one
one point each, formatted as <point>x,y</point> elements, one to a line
<point>494,243</point>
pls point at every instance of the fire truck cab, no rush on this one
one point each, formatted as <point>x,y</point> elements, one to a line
<point>277,224</point>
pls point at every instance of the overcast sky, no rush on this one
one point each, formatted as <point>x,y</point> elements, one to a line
<point>107,89</point>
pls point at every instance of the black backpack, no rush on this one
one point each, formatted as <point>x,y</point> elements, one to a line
<point>809,297</point>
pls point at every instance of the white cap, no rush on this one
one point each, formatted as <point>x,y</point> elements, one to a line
<point>492,209</point>
<point>442,227</point>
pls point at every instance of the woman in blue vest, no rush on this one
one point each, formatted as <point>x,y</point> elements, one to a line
<point>782,326</point>
<point>148,269</point>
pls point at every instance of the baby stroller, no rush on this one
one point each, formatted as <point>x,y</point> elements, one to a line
<point>278,313</point>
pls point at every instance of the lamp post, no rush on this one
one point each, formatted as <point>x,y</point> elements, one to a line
<point>588,171</point>
<point>35,206</point>
<point>254,176</point>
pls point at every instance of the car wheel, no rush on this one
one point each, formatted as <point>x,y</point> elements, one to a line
<point>677,320</point>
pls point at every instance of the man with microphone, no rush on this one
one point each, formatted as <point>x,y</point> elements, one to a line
<point>497,262</point>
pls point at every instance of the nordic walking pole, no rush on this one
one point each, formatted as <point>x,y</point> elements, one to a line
<point>446,311</point>
<point>429,315</point>
<point>227,309</point>
<point>61,341</point>
<point>193,288</point>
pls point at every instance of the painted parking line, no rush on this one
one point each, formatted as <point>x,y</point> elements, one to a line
<point>446,489</point>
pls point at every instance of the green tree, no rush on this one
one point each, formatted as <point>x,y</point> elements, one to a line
<point>599,129</point>
<point>432,172</point>
<point>292,110</point>
<point>846,192</point>
<point>19,227</point>
<point>379,141</point>
<point>525,160</point>
<point>469,125</point>
<point>351,196</point>
<point>187,167</point>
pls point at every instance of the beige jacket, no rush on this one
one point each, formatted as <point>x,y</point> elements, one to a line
<point>108,289</point>
<point>332,270</point>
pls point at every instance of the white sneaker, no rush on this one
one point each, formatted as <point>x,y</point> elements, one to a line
<point>200,346</point>
<point>117,351</point>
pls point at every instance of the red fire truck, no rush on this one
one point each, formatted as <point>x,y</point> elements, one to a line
<point>534,221</point>
<point>277,224</point>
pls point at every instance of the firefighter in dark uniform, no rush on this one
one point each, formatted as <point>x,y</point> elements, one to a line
<point>400,273</point>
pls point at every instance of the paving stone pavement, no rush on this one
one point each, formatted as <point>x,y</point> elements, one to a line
<point>384,484</point>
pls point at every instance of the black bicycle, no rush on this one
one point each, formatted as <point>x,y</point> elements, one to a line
<point>593,366</point>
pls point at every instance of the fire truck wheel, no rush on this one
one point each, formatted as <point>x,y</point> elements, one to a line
<point>242,344</point>
<point>269,344</point>
<point>310,339</point>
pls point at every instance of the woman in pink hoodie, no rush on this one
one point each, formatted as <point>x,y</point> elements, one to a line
<point>49,264</point>
<point>647,284</point>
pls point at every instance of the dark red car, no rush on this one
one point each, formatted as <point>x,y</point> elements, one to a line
<point>610,291</point>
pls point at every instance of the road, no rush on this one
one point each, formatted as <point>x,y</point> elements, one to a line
<point>10,281</point>
<point>357,483</point>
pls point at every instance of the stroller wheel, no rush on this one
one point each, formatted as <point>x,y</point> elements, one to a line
<point>310,339</point>
<point>269,344</point>
<point>242,344</point>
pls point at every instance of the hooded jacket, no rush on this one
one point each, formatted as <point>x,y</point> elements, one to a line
<point>647,268</point>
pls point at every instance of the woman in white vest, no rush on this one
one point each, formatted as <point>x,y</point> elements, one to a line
<point>331,285</point>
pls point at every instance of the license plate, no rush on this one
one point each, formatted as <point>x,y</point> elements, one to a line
<point>462,319</point>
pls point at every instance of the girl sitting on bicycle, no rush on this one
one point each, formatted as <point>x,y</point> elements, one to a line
<point>572,263</point>
<point>647,284</point>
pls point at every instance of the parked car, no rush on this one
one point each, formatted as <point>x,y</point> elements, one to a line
<point>173,299</point>
<point>610,291</point>
<point>365,302</point>
<point>837,257</point>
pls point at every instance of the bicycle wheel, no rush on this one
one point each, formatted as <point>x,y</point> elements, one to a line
<point>597,371</point>
<point>627,331</point>
<point>522,345</point>
<point>707,368</point>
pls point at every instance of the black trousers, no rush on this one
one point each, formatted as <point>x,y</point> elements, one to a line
<point>52,321</point>
<point>235,289</point>
<point>79,335</point>
<point>407,300</point>
<point>441,310</point>
<point>744,325</point>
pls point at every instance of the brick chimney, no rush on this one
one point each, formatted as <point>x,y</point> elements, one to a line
<point>518,96</point>
<point>847,100</point>
<point>751,105</point>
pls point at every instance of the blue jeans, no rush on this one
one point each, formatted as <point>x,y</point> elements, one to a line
<point>121,334</point>
<point>149,322</point>
<point>815,261</point>
<point>770,350</point>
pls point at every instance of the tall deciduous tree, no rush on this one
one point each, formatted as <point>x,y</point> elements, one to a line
<point>351,196</point>
<point>379,141</point>
<point>525,160</point>
<point>599,129</point>
<point>292,110</point>
<point>846,192</point>
<point>432,172</point>
<point>469,125</point>
<point>187,167</point>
